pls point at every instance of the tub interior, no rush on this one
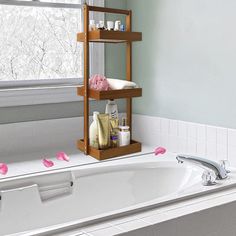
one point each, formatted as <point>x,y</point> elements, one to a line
<point>130,187</point>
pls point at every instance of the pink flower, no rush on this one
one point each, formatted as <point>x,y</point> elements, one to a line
<point>48,163</point>
<point>3,168</point>
<point>99,82</point>
<point>62,156</point>
<point>160,150</point>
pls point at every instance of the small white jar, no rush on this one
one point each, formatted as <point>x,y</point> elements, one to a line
<point>92,25</point>
<point>124,136</point>
<point>110,25</point>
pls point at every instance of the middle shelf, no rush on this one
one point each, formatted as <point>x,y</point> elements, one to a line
<point>111,94</point>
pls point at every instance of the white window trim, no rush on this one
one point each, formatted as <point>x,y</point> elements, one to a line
<point>21,94</point>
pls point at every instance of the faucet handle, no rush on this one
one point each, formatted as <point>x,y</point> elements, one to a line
<point>225,164</point>
<point>209,178</point>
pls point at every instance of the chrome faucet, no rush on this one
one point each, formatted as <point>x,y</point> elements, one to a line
<point>220,171</point>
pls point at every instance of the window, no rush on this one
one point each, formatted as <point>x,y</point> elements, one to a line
<point>38,45</point>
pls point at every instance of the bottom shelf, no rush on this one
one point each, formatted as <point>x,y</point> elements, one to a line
<point>111,152</point>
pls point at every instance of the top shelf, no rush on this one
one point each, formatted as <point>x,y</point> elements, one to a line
<point>108,10</point>
<point>103,36</point>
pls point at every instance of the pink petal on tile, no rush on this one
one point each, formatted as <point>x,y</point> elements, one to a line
<point>160,150</point>
<point>62,156</point>
<point>3,168</point>
<point>48,163</point>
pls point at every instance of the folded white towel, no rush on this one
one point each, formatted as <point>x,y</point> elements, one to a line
<point>121,84</point>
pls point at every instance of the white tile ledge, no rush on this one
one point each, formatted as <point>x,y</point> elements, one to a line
<point>77,160</point>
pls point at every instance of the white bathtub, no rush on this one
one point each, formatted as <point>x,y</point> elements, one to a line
<point>81,195</point>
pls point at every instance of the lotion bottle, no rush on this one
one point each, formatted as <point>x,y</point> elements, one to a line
<point>93,131</point>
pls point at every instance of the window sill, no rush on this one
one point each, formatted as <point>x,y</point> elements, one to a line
<point>26,96</point>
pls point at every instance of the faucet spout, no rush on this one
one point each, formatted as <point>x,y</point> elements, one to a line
<point>220,171</point>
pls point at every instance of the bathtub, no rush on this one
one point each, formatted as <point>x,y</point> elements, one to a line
<point>82,195</point>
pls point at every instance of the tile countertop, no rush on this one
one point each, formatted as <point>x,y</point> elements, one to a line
<point>77,158</point>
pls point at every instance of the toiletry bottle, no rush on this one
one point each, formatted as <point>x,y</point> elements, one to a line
<point>112,109</point>
<point>103,131</point>
<point>124,136</point>
<point>93,131</point>
<point>114,131</point>
<point>122,28</point>
<point>92,25</point>
<point>117,25</point>
<point>124,121</point>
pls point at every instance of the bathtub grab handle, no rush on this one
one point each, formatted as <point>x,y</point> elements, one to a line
<point>41,189</point>
<point>56,186</point>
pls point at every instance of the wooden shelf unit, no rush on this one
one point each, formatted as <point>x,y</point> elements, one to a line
<point>100,36</point>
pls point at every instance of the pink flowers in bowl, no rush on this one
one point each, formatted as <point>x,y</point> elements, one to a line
<point>99,82</point>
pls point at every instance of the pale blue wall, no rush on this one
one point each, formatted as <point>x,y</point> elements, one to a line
<point>186,63</point>
<point>115,53</point>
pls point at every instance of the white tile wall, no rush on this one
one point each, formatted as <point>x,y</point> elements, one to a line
<point>222,143</point>
<point>211,142</point>
<point>201,140</point>
<point>232,146</point>
<point>215,143</point>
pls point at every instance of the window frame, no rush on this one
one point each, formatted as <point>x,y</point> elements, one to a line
<point>35,92</point>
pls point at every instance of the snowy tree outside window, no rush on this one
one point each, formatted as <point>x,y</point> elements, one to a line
<point>39,43</point>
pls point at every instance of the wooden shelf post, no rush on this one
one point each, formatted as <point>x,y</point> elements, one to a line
<point>129,70</point>
<point>86,79</point>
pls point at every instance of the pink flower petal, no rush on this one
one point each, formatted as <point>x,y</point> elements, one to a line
<point>48,163</point>
<point>62,156</point>
<point>160,150</point>
<point>3,168</point>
